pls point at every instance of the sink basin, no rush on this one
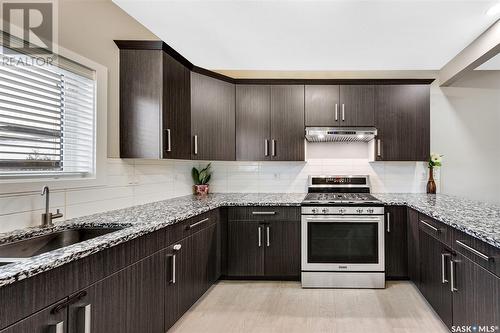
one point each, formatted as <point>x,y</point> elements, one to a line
<point>30,247</point>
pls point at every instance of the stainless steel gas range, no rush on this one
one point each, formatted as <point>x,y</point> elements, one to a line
<point>342,234</point>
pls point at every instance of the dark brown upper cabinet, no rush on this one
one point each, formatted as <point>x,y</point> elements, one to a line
<point>287,123</point>
<point>322,105</point>
<point>402,118</point>
<point>357,105</point>
<point>340,105</point>
<point>253,122</point>
<point>212,118</point>
<point>269,123</point>
<point>154,105</point>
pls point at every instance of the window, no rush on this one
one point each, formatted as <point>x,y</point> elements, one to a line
<point>47,118</point>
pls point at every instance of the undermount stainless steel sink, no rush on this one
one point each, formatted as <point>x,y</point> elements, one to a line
<point>30,247</point>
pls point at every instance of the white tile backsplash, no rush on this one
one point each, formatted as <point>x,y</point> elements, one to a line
<point>133,182</point>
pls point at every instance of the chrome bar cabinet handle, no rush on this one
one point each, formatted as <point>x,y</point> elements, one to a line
<point>169,140</point>
<point>176,247</point>
<point>378,148</point>
<point>429,226</point>
<point>196,144</point>
<point>57,328</point>
<point>264,213</point>
<point>191,226</point>
<point>388,222</point>
<point>343,112</point>
<point>268,233</point>
<point>84,319</point>
<point>443,267</point>
<point>336,112</point>
<point>273,147</point>
<point>473,250</point>
<point>260,236</point>
<point>452,276</point>
<point>266,147</point>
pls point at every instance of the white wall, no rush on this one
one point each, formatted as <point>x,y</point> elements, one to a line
<point>465,127</point>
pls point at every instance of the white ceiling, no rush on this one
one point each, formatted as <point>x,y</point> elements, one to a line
<point>315,35</point>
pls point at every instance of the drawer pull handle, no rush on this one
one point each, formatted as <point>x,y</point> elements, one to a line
<point>263,213</point>
<point>191,226</point>
<point>430,226</point>
<point>268,235</point>
<point>388,222</point>
<point>260,236</point>
<point>473,250</point>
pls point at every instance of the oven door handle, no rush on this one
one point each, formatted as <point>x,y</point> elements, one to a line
<point>343,219</point>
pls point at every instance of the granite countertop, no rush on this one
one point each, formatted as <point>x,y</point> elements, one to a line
<point>475,218</point>
<point>137,220</point>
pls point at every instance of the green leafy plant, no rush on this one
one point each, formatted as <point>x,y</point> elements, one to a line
<point>435,160</point>
<point>201,177</point>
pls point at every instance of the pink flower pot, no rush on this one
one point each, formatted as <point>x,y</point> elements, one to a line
<point>200,189</point>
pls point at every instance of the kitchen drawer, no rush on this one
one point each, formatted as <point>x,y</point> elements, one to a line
<point>264,213</point>
<point>436,229</point>
<point>485,255</point>
<point>190,226</point>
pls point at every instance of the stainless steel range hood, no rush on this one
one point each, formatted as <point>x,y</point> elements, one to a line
<point>340,134</point>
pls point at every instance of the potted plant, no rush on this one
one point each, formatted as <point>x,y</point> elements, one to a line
<point>435,161</point>
<point>201,179</point>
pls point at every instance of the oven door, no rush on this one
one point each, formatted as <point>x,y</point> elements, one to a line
<point>343,243</point>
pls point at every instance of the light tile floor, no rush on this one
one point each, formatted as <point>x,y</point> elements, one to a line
<point>236,306</point>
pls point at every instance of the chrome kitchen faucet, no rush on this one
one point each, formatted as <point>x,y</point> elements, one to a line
<point>47,217</point>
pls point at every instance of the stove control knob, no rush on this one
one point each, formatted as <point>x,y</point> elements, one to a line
<point>324,210</point>
<point>359,210</point>
<point>370,210</point>
<point>342,210</point>
<point>314,210</point>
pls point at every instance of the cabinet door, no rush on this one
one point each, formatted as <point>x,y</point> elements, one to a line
<point>140,103</point>
<point>357,105</point>
<point>435,276</point>
<point>176,109</point>
<point>396,245</point>
<point>287,123</point>
<point>282,249</point>
<point>253,122</point>
<point>41,322</point>
<point>131,300</point>
<point>322,105</point>
<point>476,294</point>
<point>413,247</point>
<point>402,120</point>
<point>212,118</point>
<point>245,248</point>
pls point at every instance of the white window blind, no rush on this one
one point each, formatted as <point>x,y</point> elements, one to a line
<point>47,120</point>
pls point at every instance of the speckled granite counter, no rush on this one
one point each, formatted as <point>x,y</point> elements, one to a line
<point>478,219</point>
<point>474,218</point>
<point>137,220</point>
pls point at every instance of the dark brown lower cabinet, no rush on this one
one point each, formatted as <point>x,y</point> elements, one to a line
<point>245,255</point>
<point>130,300</point>
<point>396,245</point>
<point>192,267</point>
<point>413,247</point>
<point>260,248</point>
<point>435,276</point>
<point>282,249</point>
<point>41,322</point>
<point>476,291</point>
